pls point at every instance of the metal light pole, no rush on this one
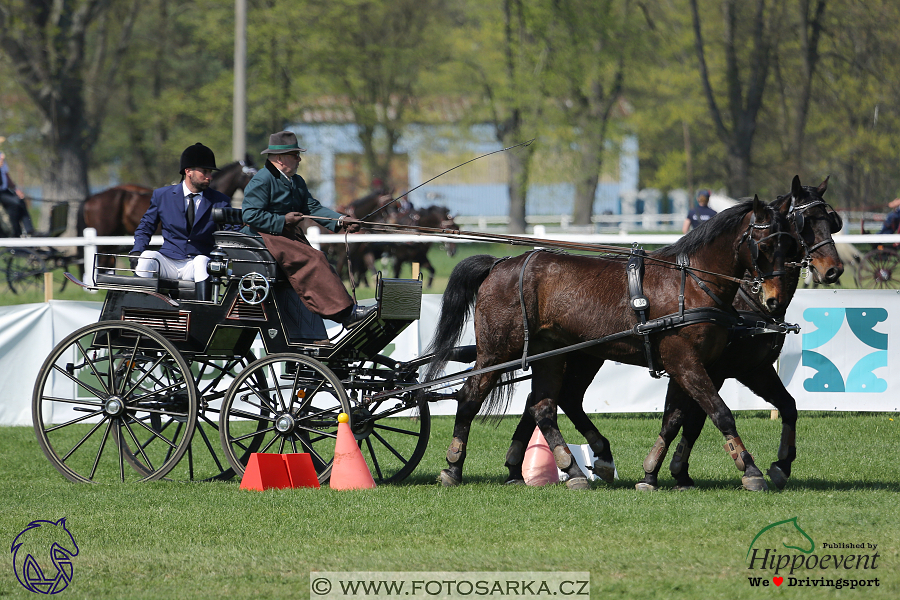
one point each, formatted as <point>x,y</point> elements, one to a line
<point>239,127</point>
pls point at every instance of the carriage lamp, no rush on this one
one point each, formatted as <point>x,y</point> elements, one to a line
<point>217,267</point>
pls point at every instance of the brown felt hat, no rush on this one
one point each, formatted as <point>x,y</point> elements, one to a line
<point>283,142</point>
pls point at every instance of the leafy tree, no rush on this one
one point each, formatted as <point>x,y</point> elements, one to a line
<point>65,55</point>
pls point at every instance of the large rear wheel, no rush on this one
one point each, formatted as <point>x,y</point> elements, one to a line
<point>114,402</point>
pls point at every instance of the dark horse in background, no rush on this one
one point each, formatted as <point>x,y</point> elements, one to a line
<point>118,210</point>
<point>432,217</point>
<point>565,300</point>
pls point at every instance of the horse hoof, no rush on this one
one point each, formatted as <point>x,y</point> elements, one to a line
<point>779,479</point>
<point>755,483</point>
<point>448,480</point>
<point>643,486</point>
<point>578,483</point>
<point>605,472</point>
<point>514,481</point>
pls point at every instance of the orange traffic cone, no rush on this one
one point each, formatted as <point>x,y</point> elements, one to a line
<point>539,466</point>
<point>267,471</point>
<point>350,471</point>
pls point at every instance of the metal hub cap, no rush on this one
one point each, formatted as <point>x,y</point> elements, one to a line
<point>114,406</point>
<point>284,423</point>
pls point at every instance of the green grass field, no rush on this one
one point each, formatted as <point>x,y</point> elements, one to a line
<point>213,540</point>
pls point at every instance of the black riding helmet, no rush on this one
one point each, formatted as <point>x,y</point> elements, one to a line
<point>197,156</point>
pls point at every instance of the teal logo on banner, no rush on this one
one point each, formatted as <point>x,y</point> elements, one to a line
<point>828,322</point>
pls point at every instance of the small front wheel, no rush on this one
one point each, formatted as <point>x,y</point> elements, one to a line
<point>283,403</point>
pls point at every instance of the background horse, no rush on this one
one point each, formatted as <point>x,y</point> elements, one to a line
<point>117,211</point>
<point>567,299</point>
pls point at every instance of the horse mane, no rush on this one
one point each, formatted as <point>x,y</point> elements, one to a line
<point>704,235</point>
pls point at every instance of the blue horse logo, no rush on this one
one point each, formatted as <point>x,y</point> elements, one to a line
<point>30,549</point>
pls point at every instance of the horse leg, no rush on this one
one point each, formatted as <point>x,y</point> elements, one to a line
<point>516,453</point>
<point>767,385</point>
<point>693,419</point>
<point>472,396</point>
<point>546,385</point>
<point>698,385</point>
<point>673,417</point>
<point>581,368</point>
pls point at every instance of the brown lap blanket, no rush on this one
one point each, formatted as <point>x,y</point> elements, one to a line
<point>314,280</point>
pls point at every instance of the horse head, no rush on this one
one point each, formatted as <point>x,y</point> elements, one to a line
<point>814,222</point>
<point>233,176</point>
<point>764,250</point>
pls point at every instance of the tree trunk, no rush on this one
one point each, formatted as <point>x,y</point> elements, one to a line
<point>590,162</point>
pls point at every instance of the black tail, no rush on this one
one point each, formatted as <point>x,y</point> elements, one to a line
<point>456,305</point>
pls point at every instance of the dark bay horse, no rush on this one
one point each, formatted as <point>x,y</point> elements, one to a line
<point>563,300</point>
<point>117,211</point>
<point>748,358</point>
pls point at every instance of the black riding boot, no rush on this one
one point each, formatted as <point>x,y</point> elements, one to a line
<point>203,290</point>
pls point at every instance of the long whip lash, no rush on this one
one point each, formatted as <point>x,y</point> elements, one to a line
<point>380,208</point>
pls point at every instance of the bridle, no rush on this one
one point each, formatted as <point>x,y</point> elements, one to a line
<point>753,247</point>
<point>798,219</point>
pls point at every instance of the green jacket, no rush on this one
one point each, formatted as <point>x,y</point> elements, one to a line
<point>270,195</point>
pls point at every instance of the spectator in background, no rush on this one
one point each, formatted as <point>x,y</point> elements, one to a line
<point>13,200</point>
<point>892,221</point>
<point>700,214</point>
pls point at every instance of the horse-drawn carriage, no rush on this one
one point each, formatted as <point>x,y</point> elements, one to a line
<point>168,386</point>
<point>24,267</point>
<point>162,375</point>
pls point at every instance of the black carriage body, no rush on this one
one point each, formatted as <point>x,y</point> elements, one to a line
<point>229,325</point>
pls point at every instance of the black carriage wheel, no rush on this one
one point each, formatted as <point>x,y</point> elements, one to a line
<point>24,270</point>
<point>879,269</point>
<point>204,459</point>
<point>283,403</point>
<point>103,394</point>
<point>392,433</point>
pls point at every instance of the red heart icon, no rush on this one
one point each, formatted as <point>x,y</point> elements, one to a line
<point>778,580</point>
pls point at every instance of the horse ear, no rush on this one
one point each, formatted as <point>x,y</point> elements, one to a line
<point>759,210</point>
<point>823,186</point>
<point>796,188</point>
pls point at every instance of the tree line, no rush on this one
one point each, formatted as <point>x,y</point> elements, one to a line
<point>734,95</point>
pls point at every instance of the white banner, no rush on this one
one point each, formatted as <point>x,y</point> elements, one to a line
<point>840,361</point>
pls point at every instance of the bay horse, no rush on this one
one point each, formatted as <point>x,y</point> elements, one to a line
<point>565,300</point>
<point>117,211</point>
<point>748,358</point>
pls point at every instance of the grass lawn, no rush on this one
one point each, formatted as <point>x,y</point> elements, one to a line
<point>213,540</point>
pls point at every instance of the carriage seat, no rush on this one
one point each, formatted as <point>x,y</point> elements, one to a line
<point>247,254</point>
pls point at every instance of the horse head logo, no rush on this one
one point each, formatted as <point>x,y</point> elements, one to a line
<point>790,529</point>
<point>34,569</point>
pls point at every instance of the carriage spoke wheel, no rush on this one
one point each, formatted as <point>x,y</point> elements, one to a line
<point>24,270</point>
<point>392,433</point>
<point>114,402</point>
<point>283,403</point>
<point>879,269</point>
<point>204,459</point>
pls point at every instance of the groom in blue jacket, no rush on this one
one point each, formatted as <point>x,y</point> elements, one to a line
<point>185,212</point>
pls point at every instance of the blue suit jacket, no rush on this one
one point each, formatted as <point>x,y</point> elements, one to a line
<point>167,206</point>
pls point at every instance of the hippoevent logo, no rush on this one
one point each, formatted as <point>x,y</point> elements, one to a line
<point>42,556</point>
<point>861,322</point>
<point>782,553</point>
